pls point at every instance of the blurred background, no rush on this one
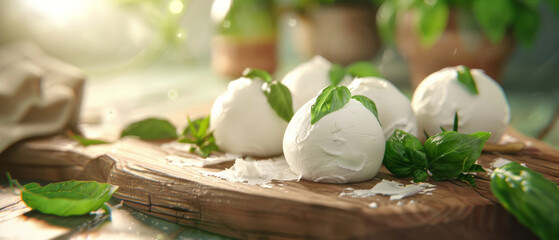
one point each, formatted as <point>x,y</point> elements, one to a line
<point>156,57</point>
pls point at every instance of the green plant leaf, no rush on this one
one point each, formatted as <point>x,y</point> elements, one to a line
<point>330,99</point>
<point>475,168</point>
<point>467,178</point>
<point>554,4</point>
<point>367,103</point>
<point>404,156</point>
<point>466,79</point>
<point>279,98</point>
<point>526,25</point>
<point>494,17</point>
<point>337,74</point>
<point>84,141</point>
<point>530,197</point>
<point>67,198</point>
<point>196,133</point>
<point>362,69</point>
<point>455,124</point>
<point>151,129</point>
<point>386,21</point>
<point>452,153</point>
<point>432,20</point>
<point>254,73</point>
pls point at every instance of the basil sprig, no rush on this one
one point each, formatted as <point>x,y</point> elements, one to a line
<point>447,155</point>
<point>151,129</point>
<point>83,140</point>
<point>333,98</point>
<point>466,79</point>
<point>68,198</point>
<point>197,133</point>
<point>337,72</point>
<point>530,197</point>
<point>278,95</point>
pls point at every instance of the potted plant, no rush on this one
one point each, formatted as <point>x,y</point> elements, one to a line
<point>342,31</point>
<point>432,34</point>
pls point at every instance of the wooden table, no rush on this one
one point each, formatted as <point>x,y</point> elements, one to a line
<point>289,209</point>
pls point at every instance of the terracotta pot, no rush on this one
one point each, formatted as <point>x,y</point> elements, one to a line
<point>230,57</point>
<point>460,44</point>
<point>341,33</point>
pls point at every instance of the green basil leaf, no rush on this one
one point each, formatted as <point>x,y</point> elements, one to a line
<point>530,197</point>
<point>475,168</point>
<point>151,129</point>
<point>330,99</point>
<point>67,198</point>
<point>85,141</point>
<point>455,124</point>
<point>197,128</point>
<point>452,153</point>
<point>362,69</point>
<point>432,21</point>
<point>467,178</point>
<point>196,133</point>
<point>386,21</point>
<point>526,25</point>
<point>367,103</point>
<point>279,98</point>
<point>466,79</point>
<point>254,73</point>
<point>337,74</point>
<point>554,4</point>
<point>494,17</point>
<point>404,156</point>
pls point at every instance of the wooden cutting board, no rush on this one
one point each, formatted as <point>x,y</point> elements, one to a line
<point>303,209</point>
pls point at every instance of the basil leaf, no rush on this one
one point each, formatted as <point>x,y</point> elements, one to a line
<point>526,25</point>
<point>475,168</point>
<point>467,178</point>
<point>279,98</point>
<point>386,21</point>
<point>254,73</point>
<point>330,99</point>
<point>85,141</point>
<point>367,103</point>
<point>554,5</point>
<point>151,129</point>
<point>494,16</point>
<point>67,198</point>
<point>530,197</point>
<point>196,133</point>
<point>404,156</point>
<point>362,69</point>
<point>432,21</point>
<point>452,153</point>
<point>455,124</point>
<point>466,79</point>
<point>337,74</point>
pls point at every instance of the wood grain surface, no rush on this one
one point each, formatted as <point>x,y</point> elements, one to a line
<point>291,209</point>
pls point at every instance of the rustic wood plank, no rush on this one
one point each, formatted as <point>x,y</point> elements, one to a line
<point>148,183</point>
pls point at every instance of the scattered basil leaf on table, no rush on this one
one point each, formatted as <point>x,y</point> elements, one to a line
<point>330,99</point>
<point>197,133</point>
<point>452,153</point>
<point>362,69</point>
<point>404,156</point>
<point>66,198</point>
<point>336,74</point>
<point>277,94</point>
<point>466,79</point>
<point>530,197</point>
<point>84,141</point>
<point>151,129</point>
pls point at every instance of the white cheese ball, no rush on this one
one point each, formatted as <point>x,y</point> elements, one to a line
<point>243,122</point>
<point>394,108</point>
<point>440,95</point>
<point>308,79</point>
<point>344,146</point>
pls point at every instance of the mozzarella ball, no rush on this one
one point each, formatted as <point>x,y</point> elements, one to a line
<point>308,79</point>
<point>243,122</point>
<point>440,95</point>
<point>344,146</point>
<point>394,108</point>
